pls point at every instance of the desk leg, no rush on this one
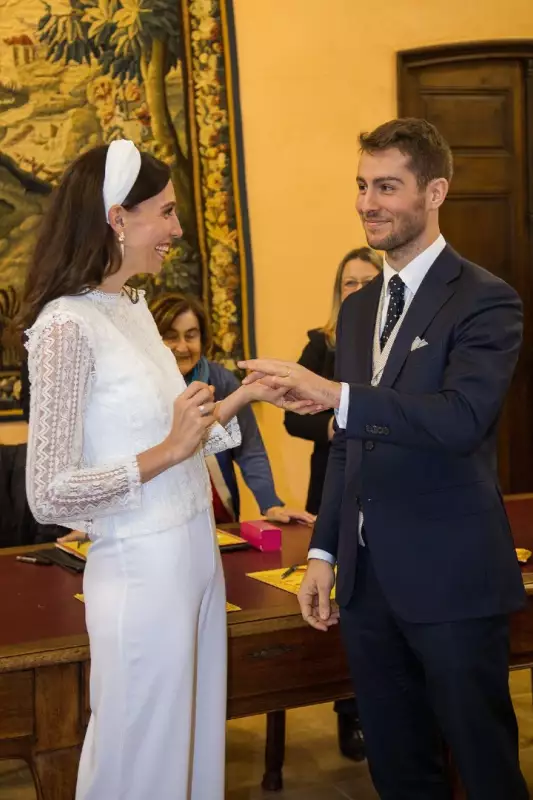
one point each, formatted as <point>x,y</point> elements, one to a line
<point>274,751</point>
<point>54,773</point>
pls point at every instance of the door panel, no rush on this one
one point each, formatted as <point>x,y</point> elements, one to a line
<point>479,104</point>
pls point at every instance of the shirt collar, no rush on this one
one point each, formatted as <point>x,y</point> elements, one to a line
<point>414,273</point>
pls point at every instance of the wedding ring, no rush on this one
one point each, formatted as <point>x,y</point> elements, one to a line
<point>201,409</point>
<point>288,375</point>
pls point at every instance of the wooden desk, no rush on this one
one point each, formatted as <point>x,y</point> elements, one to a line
<point>276,661</point>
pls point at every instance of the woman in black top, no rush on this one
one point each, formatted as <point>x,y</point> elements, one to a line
<point>357,268</point>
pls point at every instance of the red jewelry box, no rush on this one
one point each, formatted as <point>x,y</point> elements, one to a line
<point>262,535</point>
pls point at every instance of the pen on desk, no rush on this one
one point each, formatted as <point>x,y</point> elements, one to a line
<point>294,568</point>
<point>32,560</point>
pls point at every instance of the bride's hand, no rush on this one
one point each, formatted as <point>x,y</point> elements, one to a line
<point>193,416</point>
<point>265,391</point>
<point>262,391</point>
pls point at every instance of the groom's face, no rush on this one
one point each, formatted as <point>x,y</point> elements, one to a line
<point>391,204</point>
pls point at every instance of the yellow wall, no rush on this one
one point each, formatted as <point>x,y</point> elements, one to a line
<point>313,73</point>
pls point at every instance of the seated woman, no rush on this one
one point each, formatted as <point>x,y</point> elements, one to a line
<point>357,268</point>
<point>183,325</point>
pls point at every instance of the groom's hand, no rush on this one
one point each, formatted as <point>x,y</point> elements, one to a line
<point>264,387</point>
<point>300,383</point>
<point>314,595</point>
<point>268,392</point>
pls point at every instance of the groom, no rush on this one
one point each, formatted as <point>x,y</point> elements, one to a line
<point>412,512</point>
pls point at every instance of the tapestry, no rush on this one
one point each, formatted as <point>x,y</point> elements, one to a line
<point>78,73</point>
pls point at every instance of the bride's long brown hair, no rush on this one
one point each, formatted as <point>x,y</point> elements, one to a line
<point>76,248</point>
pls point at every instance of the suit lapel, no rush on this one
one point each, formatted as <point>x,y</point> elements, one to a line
<point>364,320</point>
<point>436,288</point>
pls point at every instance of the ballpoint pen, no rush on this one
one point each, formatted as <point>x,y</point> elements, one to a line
<point>294,568</point>
<point>43,562</point>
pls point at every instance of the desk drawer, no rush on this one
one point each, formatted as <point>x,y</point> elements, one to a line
<point>16,702</point>
<point>284,668</point>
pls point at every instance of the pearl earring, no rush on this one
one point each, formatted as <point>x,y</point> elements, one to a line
<point>121,239</point>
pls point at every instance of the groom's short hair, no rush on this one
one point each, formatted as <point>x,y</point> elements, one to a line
<point>429,153</point>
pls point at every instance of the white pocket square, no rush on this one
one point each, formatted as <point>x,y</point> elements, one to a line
<point>417,343</point>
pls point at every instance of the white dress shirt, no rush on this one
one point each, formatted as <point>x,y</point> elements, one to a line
<point>412,275</point>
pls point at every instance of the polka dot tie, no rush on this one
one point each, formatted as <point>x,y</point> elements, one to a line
<point>395,309</point>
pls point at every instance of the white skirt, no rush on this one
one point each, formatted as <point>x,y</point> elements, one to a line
<point>156,617</point>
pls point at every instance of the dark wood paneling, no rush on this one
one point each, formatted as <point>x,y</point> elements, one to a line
<point>479,96</point>
<point>466,217</point>
<point>471,120</point>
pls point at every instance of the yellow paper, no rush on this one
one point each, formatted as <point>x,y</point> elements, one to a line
<point>522,554</point>
<point>224,538</point>
<point>78,549</point>
<point>290,584</point>
<point>229,606</point>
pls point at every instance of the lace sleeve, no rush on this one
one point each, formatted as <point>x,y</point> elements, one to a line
<point>223,438</point>
<point>60,489</point>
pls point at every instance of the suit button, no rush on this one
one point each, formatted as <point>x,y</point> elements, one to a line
<point>375,429</point>
<point>369,445</point>
<point>386,431</point>
<point>368,428</point>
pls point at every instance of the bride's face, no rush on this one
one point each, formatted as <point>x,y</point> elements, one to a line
<point>149,229</point>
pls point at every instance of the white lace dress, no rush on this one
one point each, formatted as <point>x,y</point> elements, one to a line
<point>102,390</point>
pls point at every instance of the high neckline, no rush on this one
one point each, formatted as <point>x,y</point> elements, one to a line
<point>105,297</point>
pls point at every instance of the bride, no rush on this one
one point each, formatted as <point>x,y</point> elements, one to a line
<point>116,450</point>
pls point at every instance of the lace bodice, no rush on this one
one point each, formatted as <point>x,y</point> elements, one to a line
<point>103,386</point>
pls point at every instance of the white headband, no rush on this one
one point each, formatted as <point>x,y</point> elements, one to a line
<point>122,167</point>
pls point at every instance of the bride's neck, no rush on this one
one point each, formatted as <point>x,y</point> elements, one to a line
<point>114,283</point>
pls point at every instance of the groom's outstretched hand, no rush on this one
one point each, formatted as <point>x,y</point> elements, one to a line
<point>300,384</point>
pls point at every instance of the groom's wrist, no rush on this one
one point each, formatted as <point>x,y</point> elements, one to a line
<point>333,395</point>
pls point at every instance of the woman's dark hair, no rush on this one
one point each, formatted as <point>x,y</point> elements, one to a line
<point>76,247</point>
<point>166,307</point>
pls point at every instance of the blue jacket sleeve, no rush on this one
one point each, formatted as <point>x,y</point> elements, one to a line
<point>326,531</point>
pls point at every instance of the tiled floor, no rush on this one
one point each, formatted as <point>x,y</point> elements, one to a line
<point>314,769</point>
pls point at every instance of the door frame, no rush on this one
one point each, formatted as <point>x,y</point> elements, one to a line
<point>460,51</point>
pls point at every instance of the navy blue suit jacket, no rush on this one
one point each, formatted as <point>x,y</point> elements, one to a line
<point>418,455</point>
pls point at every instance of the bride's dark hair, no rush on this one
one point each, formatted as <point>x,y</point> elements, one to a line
<point>76,248</point>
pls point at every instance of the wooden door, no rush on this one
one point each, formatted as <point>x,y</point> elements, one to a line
<point>478,99</point>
